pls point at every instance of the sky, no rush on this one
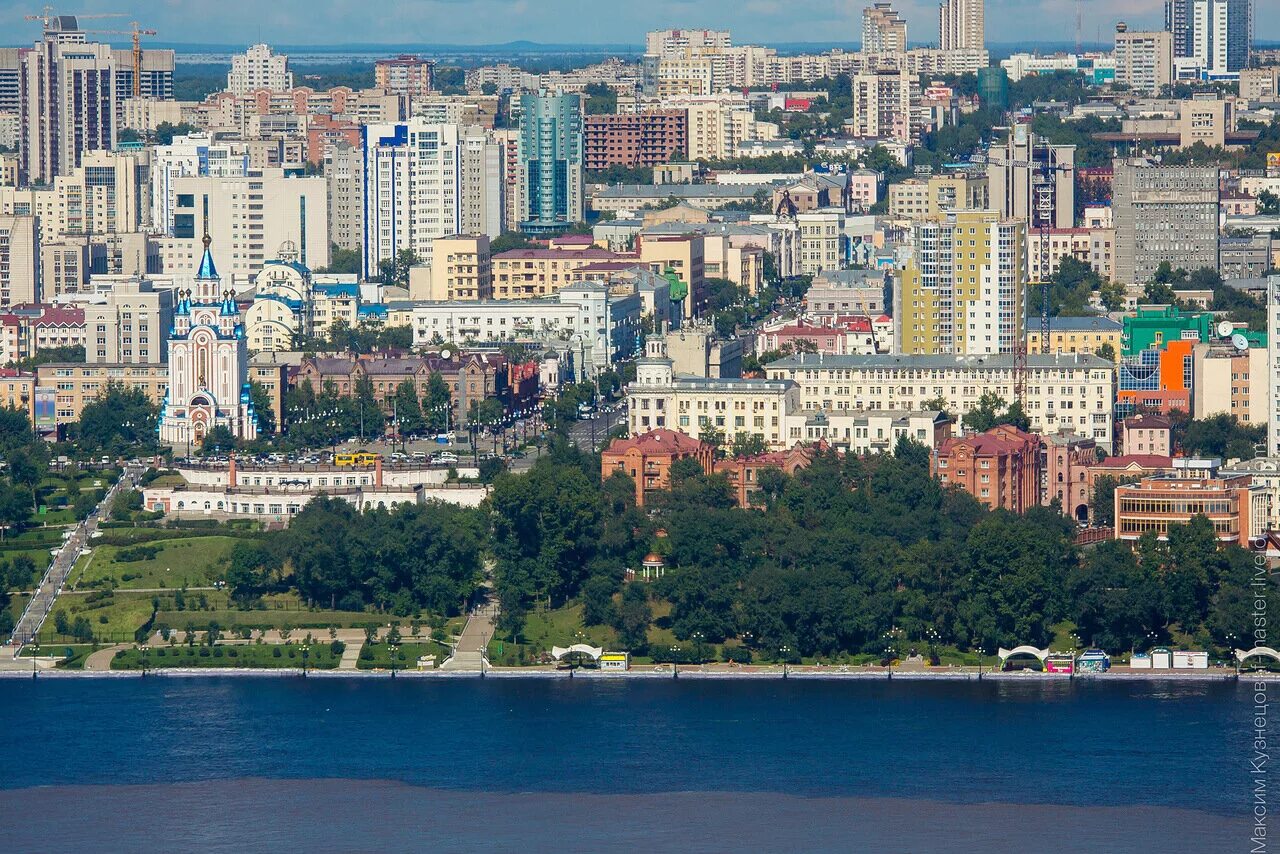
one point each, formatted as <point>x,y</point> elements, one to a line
<point>324,22</point>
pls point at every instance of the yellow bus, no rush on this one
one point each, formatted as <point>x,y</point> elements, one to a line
<point>359,458</point>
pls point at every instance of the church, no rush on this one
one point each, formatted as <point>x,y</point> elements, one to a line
<point>208,363</point>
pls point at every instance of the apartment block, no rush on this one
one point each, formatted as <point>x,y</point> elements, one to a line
<point>1163,213</point>
<point>963,291</point>
<point>635,139</point>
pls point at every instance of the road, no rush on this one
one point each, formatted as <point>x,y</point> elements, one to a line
<point>591,432</point>
<point>55,577</point>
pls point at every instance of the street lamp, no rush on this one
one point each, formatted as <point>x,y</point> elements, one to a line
<point>145,661</point>
<point>393,649</point>
<point>697,646</point>
<point>675,662</point>
<point>35,652</point>
<point>306,651</point>
<point>785,652</point>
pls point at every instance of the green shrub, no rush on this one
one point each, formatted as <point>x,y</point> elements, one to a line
<point>276,653</point>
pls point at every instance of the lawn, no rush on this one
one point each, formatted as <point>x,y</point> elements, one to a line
<point>319,657</point>
<point>113,616</point>
<point>73,654</point>
<point>278,611</point>
<point>378,656</point>
<point>193,562</point>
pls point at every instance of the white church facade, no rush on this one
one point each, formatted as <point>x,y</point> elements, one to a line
<point>208,363</point>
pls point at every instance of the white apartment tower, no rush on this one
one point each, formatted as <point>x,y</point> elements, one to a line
<point>412,179</point>
<point>259,68</point>
<point>962,25</point>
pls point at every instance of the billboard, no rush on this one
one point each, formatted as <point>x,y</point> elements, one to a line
<point>1273,164</point>
<point>46,409</point>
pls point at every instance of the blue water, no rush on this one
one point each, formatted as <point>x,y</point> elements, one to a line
<point>1168,755</point>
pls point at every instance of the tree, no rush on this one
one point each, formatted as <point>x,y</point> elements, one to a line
<point>597,601</point>
<point>438,406</point>
<point>263,408</point>
<point>991,411</point>
<point>219,440</point>
<point>121,419</point>
<point>748,445</point>
<point>634,615</point>
<point>125,504</point>
<point>166,131</point>
<point>396,271</point>
<point>1106,351</point>
<point>407,409</point>
<point>341,260</point>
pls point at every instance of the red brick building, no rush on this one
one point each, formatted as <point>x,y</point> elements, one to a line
<point>1068,456</point>
<point>640,139</point>
<point>647,458</point>
<point>743,473</point>
<point>1000,468</point>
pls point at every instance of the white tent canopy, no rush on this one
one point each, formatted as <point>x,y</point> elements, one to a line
<point>592,652</point>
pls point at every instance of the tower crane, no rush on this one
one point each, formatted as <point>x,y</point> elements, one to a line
<point>1043,208</point>
<point>136,33</point>
<point>47,15</point>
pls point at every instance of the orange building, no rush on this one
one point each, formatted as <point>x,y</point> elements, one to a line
<point>743,473</point>
<point>647,458</point>
<point>1157,380</point>
<point>1235,505</point>
<point>1000,468</point>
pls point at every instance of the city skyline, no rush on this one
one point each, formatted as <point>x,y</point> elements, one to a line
<point>488,22</point>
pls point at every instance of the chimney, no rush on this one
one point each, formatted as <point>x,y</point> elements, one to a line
<point>231,473</point>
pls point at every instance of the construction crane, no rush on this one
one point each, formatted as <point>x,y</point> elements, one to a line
<point>47,15</point>
<point>1043,209</point>
<point>136,33</point>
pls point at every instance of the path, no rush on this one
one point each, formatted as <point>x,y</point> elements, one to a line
<point>56,576</point>
<point>351,655</point>
<point>469,651</point>
<point>101,660</point>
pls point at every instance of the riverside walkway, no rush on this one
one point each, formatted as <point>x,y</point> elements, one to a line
<point>55,577</point>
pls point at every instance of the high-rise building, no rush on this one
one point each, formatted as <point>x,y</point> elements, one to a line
<point>405,75</point>
<point>882,104</point>
<point>635,139</point>
<point>551,161</point>
<point>344,173</point>
<point>208,363</point>
<point>68,101</point>
<point>19,260</point>
<point>482,186</point>
<point>1221,35</point>
<point>1177,22</point>
<point>260,212</point>
<point>883,29</point>
<point>1273,365</point>
<point>1144,61</point>
<point>961,25</point>
<point>104,195</point>
<point>963,291</point>
<point>1019,186</point>
<point>194,155</point>
<point>421,181</point>
<point>259,68</point>
<point>1163,213</point>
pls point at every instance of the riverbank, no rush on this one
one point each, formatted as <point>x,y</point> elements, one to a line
<point>665,673</point>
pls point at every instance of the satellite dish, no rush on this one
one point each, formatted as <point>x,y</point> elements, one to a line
<point>446,354</point>
<point>1225,328</point>
<point>1239,342</point>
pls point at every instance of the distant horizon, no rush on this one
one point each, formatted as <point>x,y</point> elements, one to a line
<point>583,47</point>
<point>468,24</point>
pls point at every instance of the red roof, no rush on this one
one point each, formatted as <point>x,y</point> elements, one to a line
<point>658,441</point>
<point>1005,439</point>
<point>1146,461</point>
